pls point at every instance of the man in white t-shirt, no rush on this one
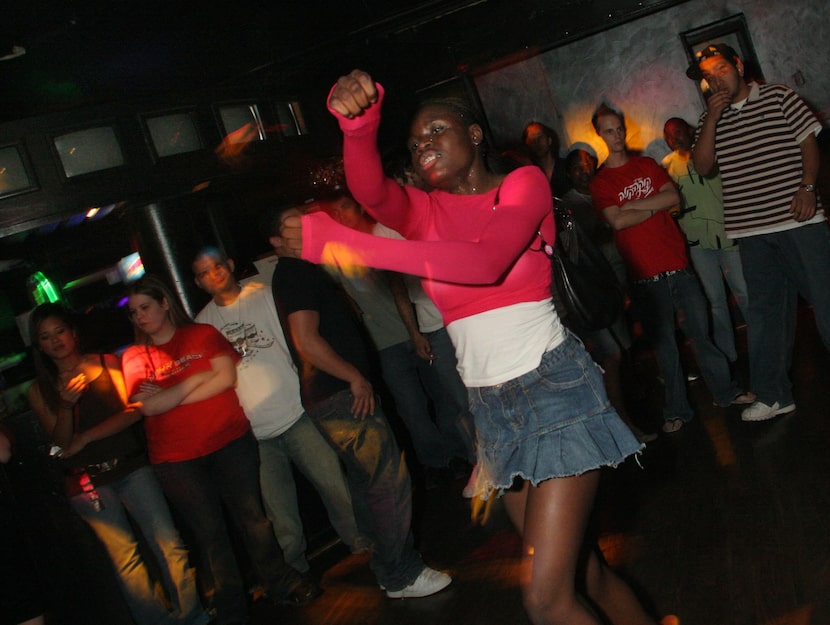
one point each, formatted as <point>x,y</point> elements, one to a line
<point>269,391</point>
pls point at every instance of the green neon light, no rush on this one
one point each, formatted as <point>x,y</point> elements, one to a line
<point>43,289</point>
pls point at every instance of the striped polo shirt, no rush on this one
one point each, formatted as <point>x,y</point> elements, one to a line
<point>759,158</point>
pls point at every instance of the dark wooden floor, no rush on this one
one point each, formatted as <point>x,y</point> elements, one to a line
<point>726,523</point>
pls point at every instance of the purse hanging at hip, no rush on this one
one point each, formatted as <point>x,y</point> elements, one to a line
<point>583,279</point>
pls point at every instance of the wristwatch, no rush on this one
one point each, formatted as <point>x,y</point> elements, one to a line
<point>811,188</point>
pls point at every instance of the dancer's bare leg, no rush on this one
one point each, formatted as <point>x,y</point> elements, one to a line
<point>612,595</point>
<point>555,515</point>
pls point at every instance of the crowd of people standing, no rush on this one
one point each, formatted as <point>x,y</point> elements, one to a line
<point>201,419</point>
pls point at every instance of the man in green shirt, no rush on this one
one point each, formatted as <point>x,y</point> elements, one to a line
<point>714,256</point>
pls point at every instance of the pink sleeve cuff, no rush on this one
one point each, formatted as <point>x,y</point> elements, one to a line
<point>318,230</point>
<point>355,125</point>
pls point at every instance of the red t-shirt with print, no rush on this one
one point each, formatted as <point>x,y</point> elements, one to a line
<point>189,430</point>
<point>655,245</point>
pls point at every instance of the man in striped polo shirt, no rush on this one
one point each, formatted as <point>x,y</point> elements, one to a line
<point>762,139</point>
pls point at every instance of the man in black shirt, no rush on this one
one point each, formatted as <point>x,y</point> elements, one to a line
<point>325,339</point>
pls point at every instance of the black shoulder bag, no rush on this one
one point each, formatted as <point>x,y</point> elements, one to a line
<point>584,280</point>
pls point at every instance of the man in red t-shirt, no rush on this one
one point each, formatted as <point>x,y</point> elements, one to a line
<point>633,194</point>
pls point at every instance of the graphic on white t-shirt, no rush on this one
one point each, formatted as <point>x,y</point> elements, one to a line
<point>245,338</point>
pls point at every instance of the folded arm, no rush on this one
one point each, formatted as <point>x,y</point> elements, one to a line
<point>111,425</point>
<point>60,424</point>
<point>197,387</point>
<point>637,211</point>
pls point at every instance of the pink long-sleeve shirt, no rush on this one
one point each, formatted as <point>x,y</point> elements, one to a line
<point>476,253</point>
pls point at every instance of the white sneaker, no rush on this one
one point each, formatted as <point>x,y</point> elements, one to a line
<point>759,411</point>
<point>427,583</point>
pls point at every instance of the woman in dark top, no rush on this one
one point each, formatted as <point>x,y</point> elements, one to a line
<point>543,145</point>
<point>80,400</point>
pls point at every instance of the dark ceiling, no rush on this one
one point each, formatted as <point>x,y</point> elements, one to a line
<point>80,52</point>
<point>83,52</point>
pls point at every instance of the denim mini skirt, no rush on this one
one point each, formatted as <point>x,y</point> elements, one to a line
<point>554,421</point>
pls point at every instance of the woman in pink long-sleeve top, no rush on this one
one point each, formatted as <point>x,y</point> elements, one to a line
<point>542,416</point>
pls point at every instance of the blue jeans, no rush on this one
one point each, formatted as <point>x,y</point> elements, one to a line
<point>304,446</point>
<point>661,306</point>
<point>139,496</point>
<point>712,266</point>
<point>399,367</point>
<point>197,489</point>
<point>449,395</point>
<point>379,484</point>
<point>778,267</point>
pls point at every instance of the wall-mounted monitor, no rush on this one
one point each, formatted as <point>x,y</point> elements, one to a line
<point>173,133</point>
<point>89,150</point>
<point>290,118</point>
<point>15,174</point>
<point>241,123</point>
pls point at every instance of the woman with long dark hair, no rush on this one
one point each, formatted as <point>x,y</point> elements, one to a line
<point>201,446</point>
<point>540,407</point>
<point>82,406</point>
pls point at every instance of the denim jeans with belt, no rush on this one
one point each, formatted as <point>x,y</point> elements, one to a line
<point>379,484</point>
<point>197,489</point>
<point>138,495</point>
<point>778,267</point>
<point>661,305</point>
